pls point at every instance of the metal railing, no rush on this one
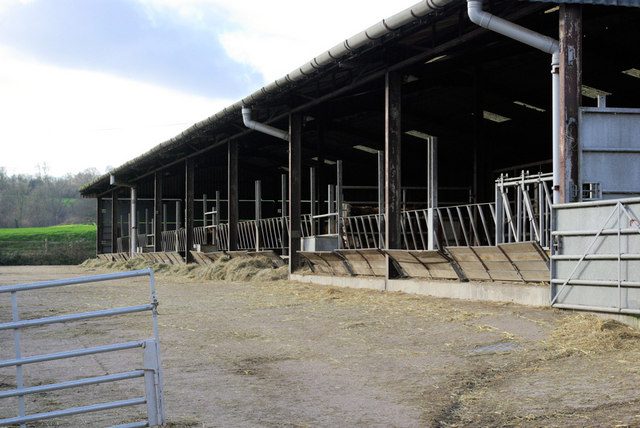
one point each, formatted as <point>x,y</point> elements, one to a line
<point>151,371</point>
<point>174,240</point>
<point>523,208</point>
<point>363,231</point>
<point>461,225</point>
<point>465,225</point>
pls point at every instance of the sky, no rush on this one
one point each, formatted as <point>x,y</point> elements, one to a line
<point>77,76</point>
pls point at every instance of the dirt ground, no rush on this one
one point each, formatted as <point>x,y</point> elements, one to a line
<point>288,354</point>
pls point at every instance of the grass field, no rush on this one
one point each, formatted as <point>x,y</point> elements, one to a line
<point>64,244</point>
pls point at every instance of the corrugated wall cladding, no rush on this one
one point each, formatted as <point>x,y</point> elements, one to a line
<point>629,3</point>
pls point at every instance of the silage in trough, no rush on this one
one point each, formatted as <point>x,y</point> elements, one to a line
<point>223,269</point>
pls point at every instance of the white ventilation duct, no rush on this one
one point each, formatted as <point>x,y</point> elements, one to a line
<point>261,127</point>
<point>543,43</point>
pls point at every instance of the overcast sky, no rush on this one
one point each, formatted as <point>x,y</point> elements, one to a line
<point>77,76</point>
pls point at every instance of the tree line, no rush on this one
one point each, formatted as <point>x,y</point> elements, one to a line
<point>43,200</point>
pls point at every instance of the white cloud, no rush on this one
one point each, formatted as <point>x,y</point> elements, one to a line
<point>68,117</point>
<point>74,119</point>
<point>276,36</point>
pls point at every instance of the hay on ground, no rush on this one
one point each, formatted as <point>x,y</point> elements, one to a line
<point>255,268</point>
<point>589,334</point>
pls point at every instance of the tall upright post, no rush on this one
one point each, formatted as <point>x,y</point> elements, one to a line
<point>393,193</point>
<point>432,191</point>
<point>312,198</point>
<point>189,195</point>
<point>295,163</point>
<point>114,220</point>
<point>330,205</point>
<point>178,214</point>
<point>232,194</point>
<point>570,96</point>
<point>205,202</point>
<point>283,211</point>
<point>381,198</point>
<point>216,216</point>
<point>133,223</point>
<point>158,212</point>
<point>165,215</point>
<point>339,202</point>
<point>258,206</point>
<point>99,224</point>
<point>178,223</point>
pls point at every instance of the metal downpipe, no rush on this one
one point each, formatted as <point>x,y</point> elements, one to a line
<point>261,127</point>
<point>543,43</point>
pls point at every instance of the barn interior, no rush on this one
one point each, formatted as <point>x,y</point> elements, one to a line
<point>485,97</point>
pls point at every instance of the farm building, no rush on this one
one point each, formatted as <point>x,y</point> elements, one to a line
<point>453,144</point>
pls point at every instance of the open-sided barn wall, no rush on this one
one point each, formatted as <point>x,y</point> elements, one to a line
<point>486,98</point>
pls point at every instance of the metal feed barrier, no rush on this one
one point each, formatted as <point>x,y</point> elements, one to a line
<point>151,372</point>
<point>596,256</point>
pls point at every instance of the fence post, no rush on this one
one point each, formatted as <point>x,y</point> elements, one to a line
<point>152,384</point>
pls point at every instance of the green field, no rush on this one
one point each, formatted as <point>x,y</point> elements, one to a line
<point>65,244</point>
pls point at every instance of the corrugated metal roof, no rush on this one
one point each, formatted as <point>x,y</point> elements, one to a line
<point>629,3</point>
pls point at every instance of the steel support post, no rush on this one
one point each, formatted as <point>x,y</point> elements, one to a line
<point>232,194</point>
<point>570,95</point>
<point>330,207</point>
<point>295,163</point>
<point>188,208</point>
<point>432,192</point>
<point>205,202</point>
<point>381,198</point>
<point>339,202</point>
<point>283,210</point>
<point>312,199</point>
<point>159,212</point>
<point>133,223</point>
<point>393,192</point>
<point>258,206</point>
<point>178,223</point>
<point>99,224</point>
<point>114,220</point>
<point>499,238</point>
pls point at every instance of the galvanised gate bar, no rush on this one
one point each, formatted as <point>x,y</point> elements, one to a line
<point>432,145</point>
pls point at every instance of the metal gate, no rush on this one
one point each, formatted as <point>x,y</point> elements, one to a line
<point>596,256</point>
<point>151,372</point>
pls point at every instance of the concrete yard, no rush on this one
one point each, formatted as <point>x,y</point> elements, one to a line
<point>290,354</point>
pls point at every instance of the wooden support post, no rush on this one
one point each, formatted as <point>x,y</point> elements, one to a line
<point>232,194</point>
<point>188,208</point>
<point>570,97</point>
<point>114,220</point>
<point>295,163</point>
<point>99,224</point>
<point>393,192</point>
<point>158,212</point>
